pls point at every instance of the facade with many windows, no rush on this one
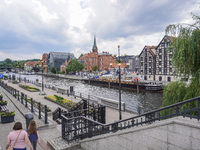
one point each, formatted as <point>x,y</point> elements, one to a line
<point>156,62</point>
<point>164,69</point>
<point>147,63</point>
<point>101,60</point>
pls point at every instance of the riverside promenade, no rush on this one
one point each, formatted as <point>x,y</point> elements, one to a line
<point>50,133</point>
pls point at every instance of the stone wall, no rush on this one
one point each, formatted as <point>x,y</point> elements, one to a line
<point>178,133</point>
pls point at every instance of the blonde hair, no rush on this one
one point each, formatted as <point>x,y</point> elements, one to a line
<point>32,128</point>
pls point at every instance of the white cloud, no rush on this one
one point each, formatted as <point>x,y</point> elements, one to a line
<point>30,28</point>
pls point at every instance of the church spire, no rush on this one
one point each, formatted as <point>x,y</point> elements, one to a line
<point>95,49</point>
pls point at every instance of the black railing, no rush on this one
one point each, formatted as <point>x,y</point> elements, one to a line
<point>80,127</point>
<point>29,103</point>
<point>83,108</point>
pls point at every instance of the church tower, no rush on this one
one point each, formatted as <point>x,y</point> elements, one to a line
<point>94,48</point>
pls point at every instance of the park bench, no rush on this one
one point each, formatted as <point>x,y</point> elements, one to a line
<point>4,108</point>
<point>59,90</point>
<point>111,103</point>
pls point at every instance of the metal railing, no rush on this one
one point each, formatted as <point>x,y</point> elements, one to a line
<point>29,103</point>
<point>81,127</point>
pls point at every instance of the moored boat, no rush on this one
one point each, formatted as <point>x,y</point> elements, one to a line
<point>127,84</point>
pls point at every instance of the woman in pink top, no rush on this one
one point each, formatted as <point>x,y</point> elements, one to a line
<point>22,139</point>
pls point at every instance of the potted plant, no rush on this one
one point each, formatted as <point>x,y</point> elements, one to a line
<point>7,116</point>
<point>1,97</point>
<point>3,102</point>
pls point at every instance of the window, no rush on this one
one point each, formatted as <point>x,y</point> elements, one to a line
<point>170,55</point>
<point>145,59</point>
<point>160,69</point>
<point>141,63</point>
<point>149,58</point>
<point>141,70</point>
<point>170,69</point>
<point>141,58</point>
<point>160,56</point>
<point>169,79</point>
<point>150,71</point>
<point>160,50</point>
<point>170,62</point>
<point>160,62</point>
<point>163,44</point>
<point>160,78</point>
<point>145,77</point>
<point>149,64</point>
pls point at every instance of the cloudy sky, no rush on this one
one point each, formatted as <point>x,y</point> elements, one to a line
<point>29,28</point>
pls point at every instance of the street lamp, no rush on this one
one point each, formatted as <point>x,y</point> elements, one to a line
<point>127,64</point>
<point>120,113</point>
<point>43,93</point>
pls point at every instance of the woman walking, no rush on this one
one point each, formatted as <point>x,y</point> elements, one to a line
<point>33,134</point>
<point>18,138</point>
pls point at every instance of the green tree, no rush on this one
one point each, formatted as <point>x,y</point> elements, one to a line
<point>8,61</point>
<point>53,70</point>
<point>95,68</point>
<point>80,56</point>
<point>186,59</point>
<point>74,66</point>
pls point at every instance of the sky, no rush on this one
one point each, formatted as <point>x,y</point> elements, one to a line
<point>29,28</point>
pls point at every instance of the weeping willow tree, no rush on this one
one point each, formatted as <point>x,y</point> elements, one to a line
<point>186,59</point>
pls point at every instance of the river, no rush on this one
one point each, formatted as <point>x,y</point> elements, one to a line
<point>146,101</point>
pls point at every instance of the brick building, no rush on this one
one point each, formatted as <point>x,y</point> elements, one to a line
<point>101,60</point>
<point>45,60</point>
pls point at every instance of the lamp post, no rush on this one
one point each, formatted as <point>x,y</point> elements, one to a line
<point>120,113</point>
<point>43,93</point>
<point>127,67</point>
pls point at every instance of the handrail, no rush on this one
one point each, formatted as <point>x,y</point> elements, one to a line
<point>80,127</point>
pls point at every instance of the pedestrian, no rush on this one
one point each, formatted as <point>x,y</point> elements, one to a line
<point>18,138</point>
<point>33,134</point>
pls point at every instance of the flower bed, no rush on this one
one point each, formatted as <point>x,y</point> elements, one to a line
<point>7,117</point>
<point>15,82</point>
<point>3,102</point>
<point>61,101</point>
<point>29,88</point>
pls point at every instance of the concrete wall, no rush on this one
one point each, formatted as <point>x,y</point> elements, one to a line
<point>172,134</point>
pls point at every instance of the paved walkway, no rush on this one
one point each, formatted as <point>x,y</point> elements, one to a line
<point>52,131</point>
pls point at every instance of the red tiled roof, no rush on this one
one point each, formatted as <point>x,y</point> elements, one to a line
<point>31,63</point>
<point>151,47</point>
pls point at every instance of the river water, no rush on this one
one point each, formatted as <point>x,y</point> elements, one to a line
<point>144,101</point>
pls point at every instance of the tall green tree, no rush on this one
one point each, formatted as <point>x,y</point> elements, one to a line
<point>186,59</point>
<point>95,68</point>
<point>53,70</point>
<point>74,66</point>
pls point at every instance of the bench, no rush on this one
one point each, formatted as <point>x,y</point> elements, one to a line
<point>111,103</point>
<point>3,108</point>
<point>59,90</point>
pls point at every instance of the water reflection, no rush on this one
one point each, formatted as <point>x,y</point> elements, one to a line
<point>145,100</point>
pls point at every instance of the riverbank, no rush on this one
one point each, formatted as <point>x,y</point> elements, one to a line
<point>74,77</point>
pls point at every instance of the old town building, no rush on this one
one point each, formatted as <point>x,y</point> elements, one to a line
<point>156,62</point>
<point>101,60</point>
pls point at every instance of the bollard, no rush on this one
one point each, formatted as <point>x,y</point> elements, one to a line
<point>26,101</point>
<point>71,90</point>
<point>22,96</point>
<point>18,94</point>
<point>45,118</point>
<point>28,117</point>
<point>31,105</point>
<point>67,92</point>
<point>39,107</point>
